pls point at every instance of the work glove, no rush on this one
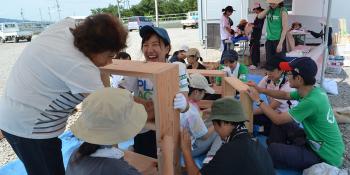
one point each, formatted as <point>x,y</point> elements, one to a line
<point>180,102</point>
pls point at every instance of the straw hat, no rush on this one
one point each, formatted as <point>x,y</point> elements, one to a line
<point>274,1</point>
<point>109,116</point>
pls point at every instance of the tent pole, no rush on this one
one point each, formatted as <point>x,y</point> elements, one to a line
<point>326,51</point>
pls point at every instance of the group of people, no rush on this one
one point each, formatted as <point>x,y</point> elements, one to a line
<point>60,69</point>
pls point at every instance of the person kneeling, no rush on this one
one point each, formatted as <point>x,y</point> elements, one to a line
<point>239,154</point>
<point>109,116</point>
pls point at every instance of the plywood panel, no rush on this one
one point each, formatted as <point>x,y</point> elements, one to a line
<point>144,164</point>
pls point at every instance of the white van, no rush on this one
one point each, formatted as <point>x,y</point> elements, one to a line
<point>136,22</point>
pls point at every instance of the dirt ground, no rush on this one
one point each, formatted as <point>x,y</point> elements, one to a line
<point>9,52</point>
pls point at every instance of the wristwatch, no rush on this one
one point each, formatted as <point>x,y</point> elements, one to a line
<point>258,103</point>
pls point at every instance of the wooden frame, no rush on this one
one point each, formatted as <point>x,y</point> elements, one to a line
<point>229,86</point>
<point>1,136</point>
<point>218,89</point>
<point>164,77</point>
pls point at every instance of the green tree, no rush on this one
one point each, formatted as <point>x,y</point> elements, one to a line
<point>112,9</point>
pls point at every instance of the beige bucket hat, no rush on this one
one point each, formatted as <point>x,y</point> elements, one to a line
<point>274,1</point>
<point>200,82</point>
<point>109,116</point>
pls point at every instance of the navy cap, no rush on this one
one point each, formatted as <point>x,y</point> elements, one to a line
<point>229,55</point>
<point>161,32</point>
<point>304,66</point>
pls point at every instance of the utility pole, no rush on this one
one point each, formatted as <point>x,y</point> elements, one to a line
<point>41,16</point>
<point>49,14</point>
<point>156,7</point>
<point>22,14</point>
<point>58,10</point>
<point>118,9</point>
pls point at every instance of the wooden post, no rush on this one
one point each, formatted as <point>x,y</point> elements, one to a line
<point>1,136</point>
<point>164,77</point>
<point>233,84</point>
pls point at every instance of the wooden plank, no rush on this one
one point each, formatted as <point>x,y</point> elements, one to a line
<point>136,68</point>
<point>1,136</point>
<point>166,85</point>
<point>218,89</point>
<point>231,85</point>
<point>208,73</point>
<point>204,104</point>
<point>144,164</point>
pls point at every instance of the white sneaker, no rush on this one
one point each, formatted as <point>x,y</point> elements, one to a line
<point>252,67</point>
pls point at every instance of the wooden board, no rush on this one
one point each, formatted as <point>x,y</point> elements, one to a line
<point>232,84</point>
<point>144,164</point>
<point>136,68</point>
<point>1,136</point>
<point>208,73</point>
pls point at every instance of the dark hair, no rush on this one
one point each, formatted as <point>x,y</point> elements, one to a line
<point>227,9</point>
<point>281,4</point>
<point>123,56</point>
<point>191,90</point>
<point>85,149</point>
<point>307,80</point>
<point>175,53</point>
<point>99,33</point>
<point>149,35</point>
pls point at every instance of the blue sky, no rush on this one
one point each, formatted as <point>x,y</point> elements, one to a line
<point>12,8</point>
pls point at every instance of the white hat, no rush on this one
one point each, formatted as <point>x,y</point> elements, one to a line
<point>184,48</point>
<point>274,1</point>
<point>109,116</point>
<point>200,82</point>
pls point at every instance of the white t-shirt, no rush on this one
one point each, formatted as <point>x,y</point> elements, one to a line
<point>193,122</point>
<point>46,83</point>
<point>223,24</point>
<point>284,107</point>
<point>143,88</point>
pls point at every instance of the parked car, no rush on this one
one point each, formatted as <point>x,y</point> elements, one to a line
<point>10,31</point>
<point>136,22</point>
<point>191,20</point>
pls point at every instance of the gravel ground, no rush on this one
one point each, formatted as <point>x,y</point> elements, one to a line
<point>10,51</point>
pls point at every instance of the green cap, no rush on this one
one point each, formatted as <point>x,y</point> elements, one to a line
<point>227,109</point>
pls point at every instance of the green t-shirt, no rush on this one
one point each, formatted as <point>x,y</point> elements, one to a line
<point>243,70</point>
<point>320,125</point>
<point>274,23</point>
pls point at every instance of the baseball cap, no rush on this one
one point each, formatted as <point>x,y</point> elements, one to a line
<point>230,55</point>
<point>228,9</point>
<point>200,82</point>
<point>304,66</point>
<point>184,48</point>
<point>193,52</point>
<point>227,109</point>
<point>161,32</point>
<point>109,116</point>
